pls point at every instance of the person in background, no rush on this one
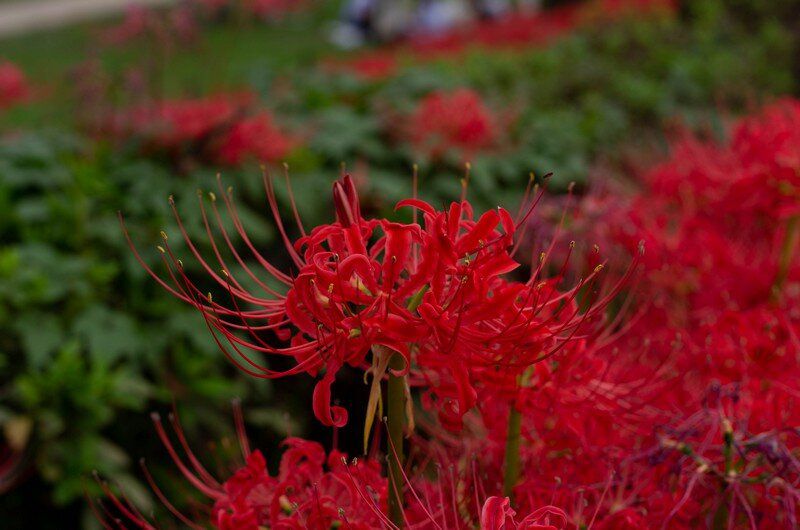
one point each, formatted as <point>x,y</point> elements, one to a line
<point>364,21</point>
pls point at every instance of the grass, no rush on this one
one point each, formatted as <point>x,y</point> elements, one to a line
<point>228,55</point>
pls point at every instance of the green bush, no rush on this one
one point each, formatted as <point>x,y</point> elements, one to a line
<point>88,341</point>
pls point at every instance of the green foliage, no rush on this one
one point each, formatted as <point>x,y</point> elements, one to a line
<point>569,104</point>
<point>86,337</point>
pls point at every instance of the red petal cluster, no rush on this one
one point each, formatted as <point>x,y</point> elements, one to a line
<point>457,121</point>
<point>13,85</point>
<point>693,402</point>
<point>223,128</point>
<point>435,293</point>
<point>311,489</point>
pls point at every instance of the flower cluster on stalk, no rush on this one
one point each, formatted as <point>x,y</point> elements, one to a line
<point>437,293</point>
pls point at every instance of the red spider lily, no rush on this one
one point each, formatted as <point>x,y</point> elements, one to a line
<point>375,66</point>
<point>172,123</point>
<point>310,490</point>
<point>179,24</point>
<point>457,121</point>
<point>222,128</point>
<point>351,292</point>
<point>13,85</point>
<point>255,137</point>
<point>314,490</point>
<point>722,283</point>
<point>136,22</point>
<point>487,331</point>
<point>437,291</point>
<point>497,514</point>
<point>722,474</point>
<point>436,294</point>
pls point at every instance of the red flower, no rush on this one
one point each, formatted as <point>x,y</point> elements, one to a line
<point>222,129</point>
<point>254,137</point>
<point>457,121</point>
<point>351,292</point>
<point>498,515</point>
<point>436,295</point>
<point>13,85</point>
<point>172,124</point>
<point>310,490</point>
<point>487,331</point>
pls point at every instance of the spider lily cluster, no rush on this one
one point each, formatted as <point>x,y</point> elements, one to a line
<point>547,400</point>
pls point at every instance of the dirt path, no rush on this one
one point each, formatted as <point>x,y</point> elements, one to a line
<point>25,16</point>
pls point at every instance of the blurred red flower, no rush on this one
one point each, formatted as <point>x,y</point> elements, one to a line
<point>457,121</point>
<point>14,86</point>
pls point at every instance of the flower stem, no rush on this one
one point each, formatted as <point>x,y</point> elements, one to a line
<point>396,420</point>
<point>788,249</point>
<point>513,437</point>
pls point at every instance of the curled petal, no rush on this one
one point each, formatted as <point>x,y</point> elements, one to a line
<point>332,416</point>
<point>497,514</point>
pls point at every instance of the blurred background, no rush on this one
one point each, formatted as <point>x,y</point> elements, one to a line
<point>110,106</point>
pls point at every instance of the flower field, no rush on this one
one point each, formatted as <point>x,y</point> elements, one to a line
<point>537,270</point>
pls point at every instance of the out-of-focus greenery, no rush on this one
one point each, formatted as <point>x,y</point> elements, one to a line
<point>88,343</point>
<point>573,103</point>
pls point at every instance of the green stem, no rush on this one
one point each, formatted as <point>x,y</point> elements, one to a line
<point>513,437</point>
<point>720,520</point>
<point>396,420</point>
<point>787,252</point>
